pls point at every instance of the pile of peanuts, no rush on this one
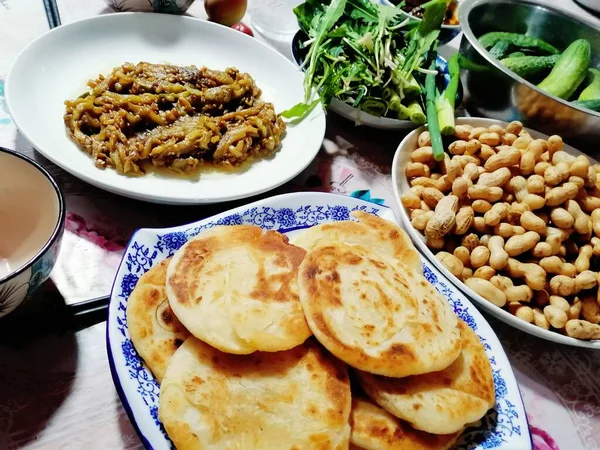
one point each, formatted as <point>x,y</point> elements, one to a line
<point>517,220</point>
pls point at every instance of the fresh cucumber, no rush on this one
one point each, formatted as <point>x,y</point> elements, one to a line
<point>516,54</point>
<point>500,49</point>
<point>569,71</point>
<point>592,90</point>
<point>488,40</point>
<point>594,105</point>
<point>528,66</point>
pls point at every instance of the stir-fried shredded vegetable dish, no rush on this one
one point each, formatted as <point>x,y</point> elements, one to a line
<point>181,118</point>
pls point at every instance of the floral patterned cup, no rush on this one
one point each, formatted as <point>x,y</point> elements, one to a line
<point>32,217</point>
<point>159,6</point>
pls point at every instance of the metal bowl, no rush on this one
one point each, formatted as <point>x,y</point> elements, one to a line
<point>499,93</point>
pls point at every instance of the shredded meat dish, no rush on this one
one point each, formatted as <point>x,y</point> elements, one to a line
<point>181,118</point>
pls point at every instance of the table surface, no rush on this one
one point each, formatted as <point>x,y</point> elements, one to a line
<point>55,386</point>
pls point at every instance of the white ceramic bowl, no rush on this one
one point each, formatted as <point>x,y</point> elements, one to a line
<point>401,185</point>
<point>32,216</point>
<point>56,66</point>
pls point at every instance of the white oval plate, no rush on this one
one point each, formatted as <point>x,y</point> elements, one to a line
<point>504,427</point>
<point>57,66</point>
<point>401,185</point>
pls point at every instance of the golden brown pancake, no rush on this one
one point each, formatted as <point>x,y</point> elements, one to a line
<point>234,287</point>
<point>375,313</point>
<point>441,402</point>
<point>297,399</point>
<point>154,330</point>
<point>373,428</point>
<point>371,231</point>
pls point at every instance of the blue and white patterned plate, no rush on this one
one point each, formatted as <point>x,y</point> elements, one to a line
<point>504,427</point>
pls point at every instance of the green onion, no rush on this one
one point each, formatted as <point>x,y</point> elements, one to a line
<point>432,117</point>
<point>416,114</point>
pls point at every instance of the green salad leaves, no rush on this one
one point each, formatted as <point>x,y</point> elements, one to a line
<point>367,55</point>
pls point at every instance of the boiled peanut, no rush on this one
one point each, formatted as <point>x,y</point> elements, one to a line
<point>562,218</point>
<point>554,265</point>
<point>514,127</point>
<point>415,169</point>
<point>555,144</point>
<point>477,131</point>
<point>540,168</point>
<point>484,272</point>
<point>582,329</point>
<point>582,262</point>
<point>560,302</point>
<point>451,262</point>
<point>586,280</point>
<point>479,256</point>
<point>590,309</point>
<point>561,194</point>
<point>556,316</point>
<point>517,245</point>
<point>443,218</point>
<point>470,241</point>
<point>536,185</point>
<point>464,220</point>
<point>497,178</point>
<point>410,200</point>
<point>420,222</point>
<point>506,230</point>
<point>580,167</point>
<point>587,201</point>
<point>532,222</point>
<point>432,196</point>
<point>524,313</point>
<point>491,194</point>
<point>486,152</point>
<point>575,309</point>
<point>562,285</point>
<point>522,142</point>
<point>491,139</point>
<point>424,139</point>
<point>422,155</point>
<point>481,206</point>
<point>462,131</point>
<point>487,290</point>
<point>498,212</point>
<point>498,256</point>
<point>534,275</point>
<point>504,158</point>
<point>463,254</point>
<point>540,320</point>
<point>480,226</point>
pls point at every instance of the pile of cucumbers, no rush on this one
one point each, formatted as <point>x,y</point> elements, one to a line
<point>566,75</point>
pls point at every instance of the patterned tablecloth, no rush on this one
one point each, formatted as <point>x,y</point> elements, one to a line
<point>55,386</point>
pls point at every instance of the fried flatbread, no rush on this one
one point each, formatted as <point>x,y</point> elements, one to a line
<point>442,402</point>
<point>234,287</point>
<point>371,231</point>
<point>297,399</point>
<point>375,313</point>
<point>373,428</point>
<point>154,330</point>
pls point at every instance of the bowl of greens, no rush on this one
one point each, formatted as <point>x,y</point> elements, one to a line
<point>539,65</point>
<point>368,62</point>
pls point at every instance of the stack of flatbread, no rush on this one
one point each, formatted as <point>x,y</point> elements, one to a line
<point>252,339</point>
